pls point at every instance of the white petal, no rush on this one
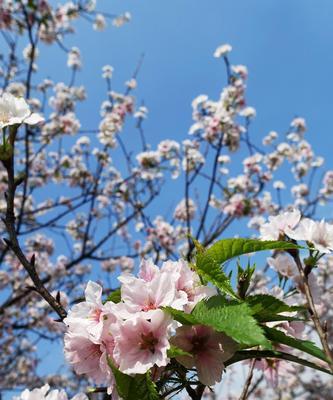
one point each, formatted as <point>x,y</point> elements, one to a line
<point>33,119</point>
<point>93,293</point>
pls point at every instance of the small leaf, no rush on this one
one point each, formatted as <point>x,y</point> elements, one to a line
<point>233,318</point>
<point>115,296</point>
<point>244,279</point>
<point>258,354</point>
<point>134,387</point>
<point>304,345</point>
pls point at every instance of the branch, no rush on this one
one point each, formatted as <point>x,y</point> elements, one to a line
<point>248,381</point>
<point>14,245</point>
<point>313,312</point>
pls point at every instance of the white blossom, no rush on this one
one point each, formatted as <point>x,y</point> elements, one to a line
<point>15,110</point>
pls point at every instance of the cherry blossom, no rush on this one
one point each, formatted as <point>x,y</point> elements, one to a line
<point>282,224</point>
<point>142,295</point>
<point>222,50</point>
<point>44,393</point>
<point>284,264</point>
<point>142,343</point>
<point>90,314</point>
<point>319,233</point>
<point>209,350</point>
<point>15,111</point>
<point>89,358</point>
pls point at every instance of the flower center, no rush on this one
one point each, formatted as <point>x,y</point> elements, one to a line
<point>199,343</point>
<point>148,342</point>
<point>94,351</point>
<point>96,315</point>
<point>150,305</point>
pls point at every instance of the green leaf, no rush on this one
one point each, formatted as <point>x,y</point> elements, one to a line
<point>175,351</point>
<point>266,308</point>
<point>181,316</point>
<point>244,279</point>
<point>304,345</point>
<point>233,318</point>
<point>134,387</point>
<point>219,279</point>
<point>211,272</point>
<point>258,354</point>
<point>226,249</point>
<point>115,296</point>
<point>208,263</point>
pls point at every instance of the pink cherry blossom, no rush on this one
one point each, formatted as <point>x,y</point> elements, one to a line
<point>140,343</point>
<point>139,295</point>
<point>148,270</point>
<point>188,283</point>
<point>90,358</point>
<point>89,314</point>
<point>274,370</point>
<point>209,350</point>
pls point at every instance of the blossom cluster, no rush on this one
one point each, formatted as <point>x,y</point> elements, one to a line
<point>136,333</point>
<point>318,233</point>
<point>54,21</point>
<point>44,393</point>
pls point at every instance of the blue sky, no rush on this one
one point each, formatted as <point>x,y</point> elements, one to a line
<point>286,44</point>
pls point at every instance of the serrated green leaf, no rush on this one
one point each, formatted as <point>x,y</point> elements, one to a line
<point>115,296</point>
<point>208,263</point>
<point>175,351</point>
<point>181,316</point>
<point>266,308</point>
<point>304,345</point>
<point>134,387</point>
<point>258,354</point>
<point>233,318</point>
<point>225,249</point>
<point>219,279</point>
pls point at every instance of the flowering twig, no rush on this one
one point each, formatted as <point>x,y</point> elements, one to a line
<point>313,312</point>
<point>14,245</point>
<point>244,394</point>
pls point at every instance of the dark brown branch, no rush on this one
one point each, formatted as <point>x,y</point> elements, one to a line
<point>14,245</point>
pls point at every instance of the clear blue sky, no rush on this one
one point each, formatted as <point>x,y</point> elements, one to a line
<point>286,44</point>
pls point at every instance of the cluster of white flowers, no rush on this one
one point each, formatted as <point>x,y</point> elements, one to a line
<point>44,393</point>
<point>317,233</point>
